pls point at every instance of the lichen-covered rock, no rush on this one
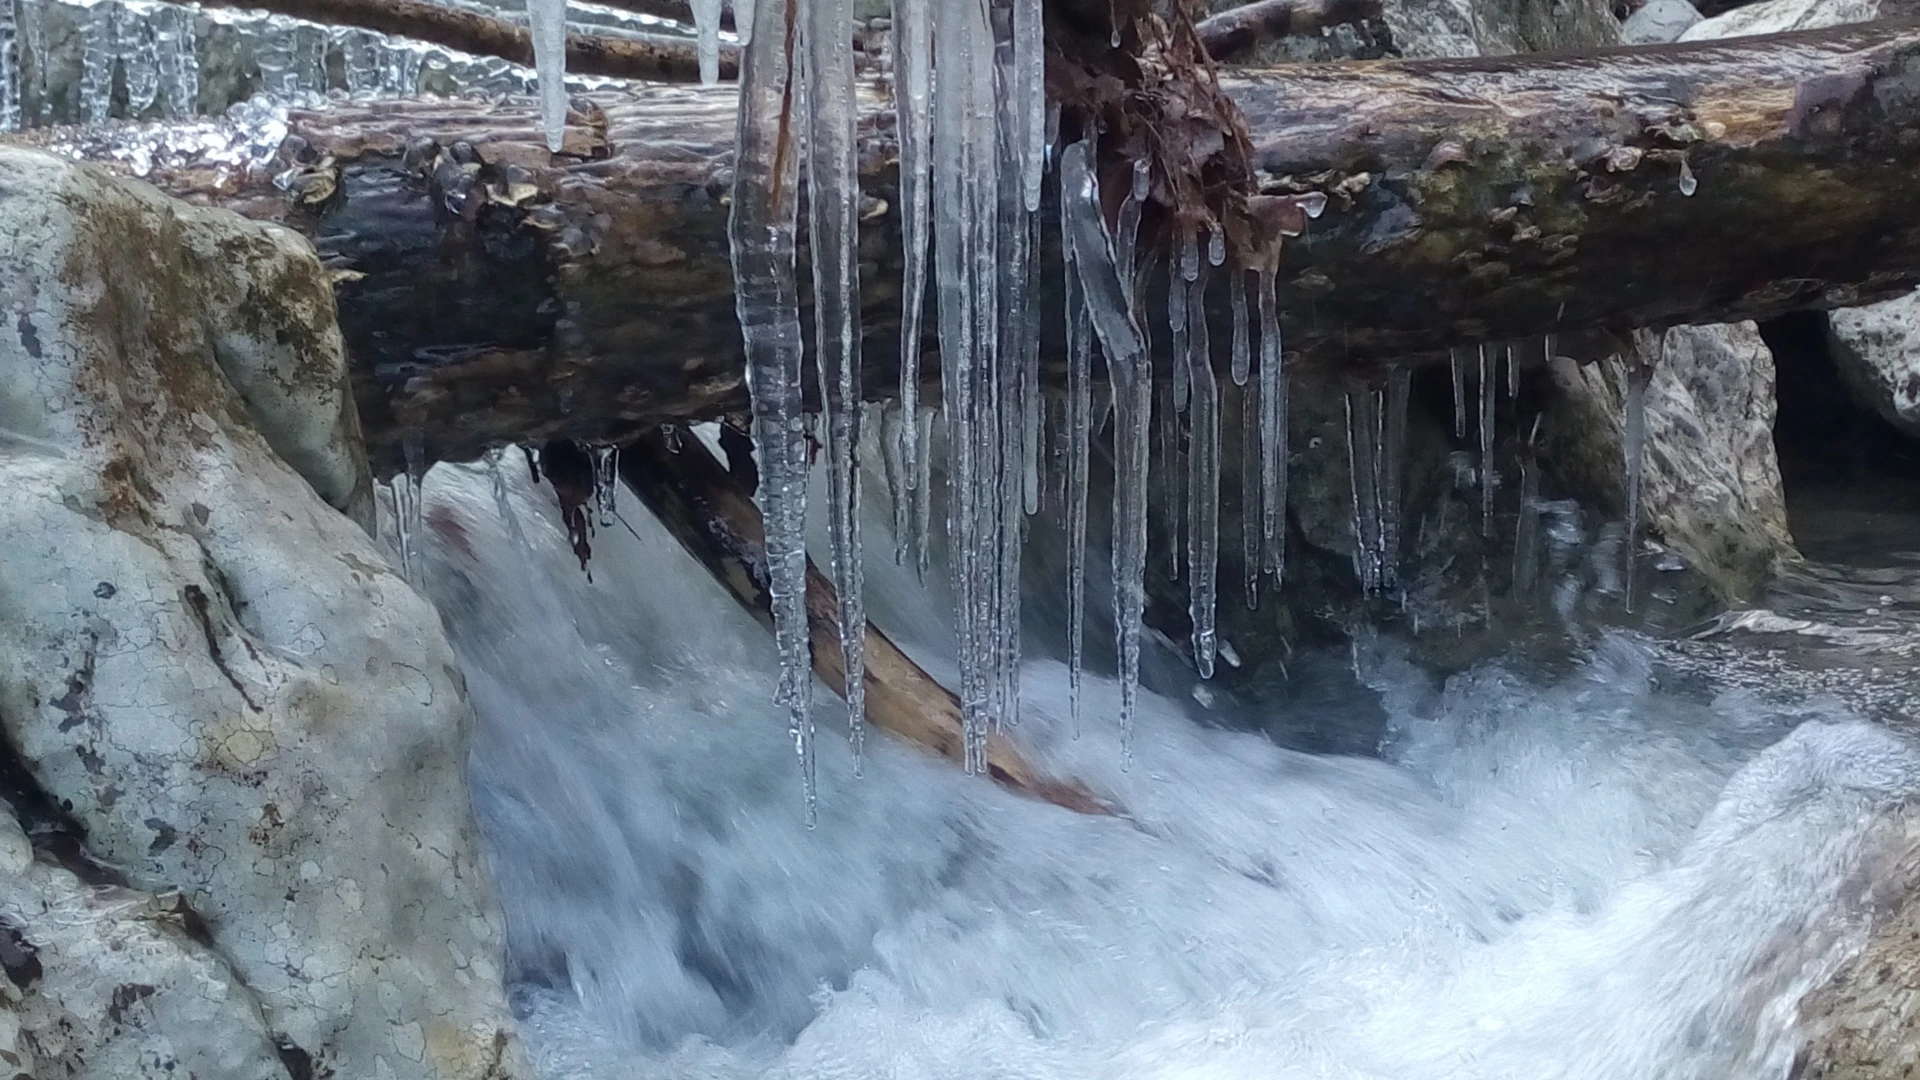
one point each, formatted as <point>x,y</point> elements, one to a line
<point>1712,480</point>
<point>109,984</point>
<point>1877,351</point>
<point>1776,16</point>
<point>213,668</point>
<point>1658,21</point>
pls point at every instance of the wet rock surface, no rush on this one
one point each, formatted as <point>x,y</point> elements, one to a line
<point>214,669</point>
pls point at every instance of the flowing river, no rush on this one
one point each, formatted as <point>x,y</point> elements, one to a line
<point>1632,864</point>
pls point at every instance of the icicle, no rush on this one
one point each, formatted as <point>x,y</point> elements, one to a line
<point>1363,492</point>
<point>1109,305</point>
<point>1079,436</point>
<point>1216,244</point>
<point>1127,229</point>
<point>1688,185</point>
<point>1273,431</point>
<point>1250,549</point>
<point>1180,325</point>
<point>402,71</point>
<point>606,483</point>
<point>966,187</point>
<point>9,71</point>
<point>309,60</point>
<point>548,21</point>
<point>760,232</point>
<point>1633,445</point>
<point>920,494</point>
<point>1486,442</point>
<point>1203,484</point>
<point>1513,370</point>
<point>1459,395</point>
<point>1030,61</point>
<point>834,231</point>
<point>1190,256</point>
<point>96,60</point>
<point>895,469</point>
<point>33,43</point>
<point>706,31</point>
<point>411,510</point>
<point>501,502</point>
<point>1167,436</point>
<point>1526,540</point>
<point>360,56</point>
<point>912,87</point>
<point>743,19</point>
<point>1006,390</point>
<point>1242,349</point>
<point>177,55</point>
<point>1029,358</point>
<point>1392,468</point>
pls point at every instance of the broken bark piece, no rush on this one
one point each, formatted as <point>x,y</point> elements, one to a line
<point>715,520</point>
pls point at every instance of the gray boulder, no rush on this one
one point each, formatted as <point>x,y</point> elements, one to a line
<point>203,657</point>
<point>1657,22</point>
<point>1877,349</point>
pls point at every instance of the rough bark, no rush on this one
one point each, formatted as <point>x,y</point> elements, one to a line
<point>493,292</point>
<point>715,519</point>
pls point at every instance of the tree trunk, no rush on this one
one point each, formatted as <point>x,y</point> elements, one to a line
<point>491,292</point>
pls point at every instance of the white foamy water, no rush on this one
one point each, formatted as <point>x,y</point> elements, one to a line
<point>1584,877</point>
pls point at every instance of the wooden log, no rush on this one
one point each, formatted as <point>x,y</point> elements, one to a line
<point>714,518</point>
<point>492,292</point>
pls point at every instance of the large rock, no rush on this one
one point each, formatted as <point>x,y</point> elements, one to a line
<point>1711,487</point>
<point>1657,22</point>
<point>109,984</point>
<point>213,668</point>
<point>1776,16</point>
<point>1877,351</point>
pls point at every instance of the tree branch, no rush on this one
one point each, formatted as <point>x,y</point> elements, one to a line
<point>1234,33</point>
<point>652,59</point>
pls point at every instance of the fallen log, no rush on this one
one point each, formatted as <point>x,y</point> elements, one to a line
<point>714,518</point>
<point>492,292</point>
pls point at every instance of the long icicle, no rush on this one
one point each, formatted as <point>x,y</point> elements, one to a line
<point>760,231</point>
<point>912,100</point>
<point>1079,437</point>
<point>1250,541</point>
<point>1273,431</point>
<point>706,27</point>
<point>1203,483</point>
<point>834,234</point>
<point>1109,304</point>
<point>1486,442</point>
<point>1633,444</point>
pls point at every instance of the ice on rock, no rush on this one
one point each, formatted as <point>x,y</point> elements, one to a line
<point>177,55</point>
<point>547,19</point>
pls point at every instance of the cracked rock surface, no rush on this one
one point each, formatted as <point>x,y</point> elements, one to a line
<point>205,657</point>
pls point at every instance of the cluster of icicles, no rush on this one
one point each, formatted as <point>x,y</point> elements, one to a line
<point>976,142</point>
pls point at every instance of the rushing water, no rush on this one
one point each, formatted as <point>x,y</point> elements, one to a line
<point>1633,870</point>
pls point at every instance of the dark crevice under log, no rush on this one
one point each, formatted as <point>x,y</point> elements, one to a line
<point>589,295</point>
<point>715,520</point>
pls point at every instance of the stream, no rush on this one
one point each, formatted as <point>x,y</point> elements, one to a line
<point>1632,864</point>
